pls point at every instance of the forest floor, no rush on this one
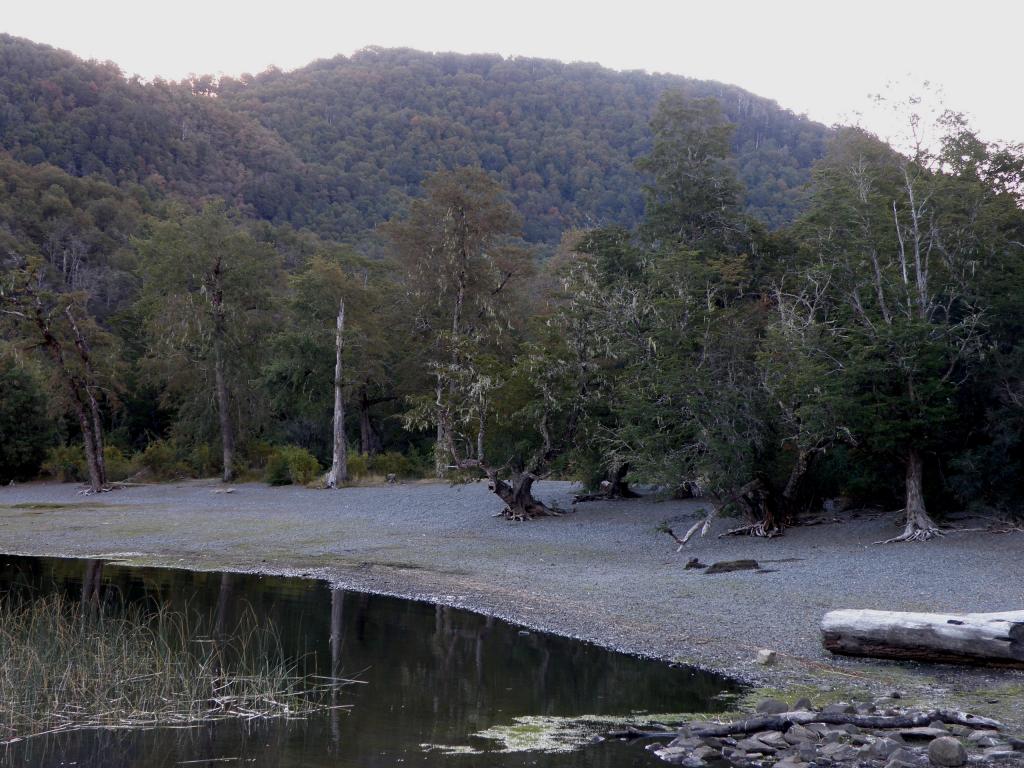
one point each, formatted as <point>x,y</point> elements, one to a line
<point>601,573</point>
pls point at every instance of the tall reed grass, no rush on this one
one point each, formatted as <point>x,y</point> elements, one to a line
<point>69,664</point>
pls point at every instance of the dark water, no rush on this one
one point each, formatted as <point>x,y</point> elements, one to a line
<point>434,675</point>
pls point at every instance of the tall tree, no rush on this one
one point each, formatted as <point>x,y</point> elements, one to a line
<point>207,297</point>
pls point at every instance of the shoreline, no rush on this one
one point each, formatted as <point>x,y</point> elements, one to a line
<point>601,574</point>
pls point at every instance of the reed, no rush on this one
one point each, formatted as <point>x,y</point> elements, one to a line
<point>69,665</point>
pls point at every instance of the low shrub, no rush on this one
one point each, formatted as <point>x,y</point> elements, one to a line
<point>290,464</point>
<point>162,459</point>
<point>66,463</point>
<point>119,466</point>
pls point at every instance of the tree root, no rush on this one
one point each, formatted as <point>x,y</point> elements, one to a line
<point>767,531</point>
<point>521,515</point>
<point>914,533</point>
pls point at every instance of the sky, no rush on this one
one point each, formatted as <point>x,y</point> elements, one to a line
<point>820,58</point>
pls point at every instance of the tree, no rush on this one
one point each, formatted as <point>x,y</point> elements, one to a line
<point>26,430</point>
<point>207,296</point>
<point>59,328</point>
<point>904,245</point>
<point>459,251</point>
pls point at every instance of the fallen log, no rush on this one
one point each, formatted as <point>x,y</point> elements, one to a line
<point>991,639</point>
<point>786,720</point>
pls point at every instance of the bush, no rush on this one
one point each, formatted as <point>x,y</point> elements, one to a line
<point>290,464</point>
<point>119,466</point>
<point>358,465</point>
<point>25,428</point>
<point>66,463</point>
<point>162,460</point>
<point>203,461</point>
<point>393,463</point>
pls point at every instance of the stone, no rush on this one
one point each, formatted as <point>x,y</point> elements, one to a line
<point>1001,751</point>
<point>693,562</point>
<point>938,725</point>
<point>960,730</point>
<point>840,708</point>
<point>866,709</point>
<point>755,745</point>
<point>947,752</point>
<point>1017,744</point>
<point>819,728</point>
<point>807,751</point>
<point>838,752</point>
<point>797,734</point>
<point>772,739</point>
<point>790,762</point>
<point>884,747</point>
<point>772,707</point>
<point>923,734</point>
<point>982,738</point>
<point>706,753</point>
<point>803,704</point>
<point>767,657</point>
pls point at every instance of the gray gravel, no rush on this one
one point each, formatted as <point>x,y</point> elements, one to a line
<point>602,573</point>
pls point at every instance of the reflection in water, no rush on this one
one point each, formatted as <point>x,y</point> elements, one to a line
<point>433,674</point>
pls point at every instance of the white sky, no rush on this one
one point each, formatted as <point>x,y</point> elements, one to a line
<point>822,58</point>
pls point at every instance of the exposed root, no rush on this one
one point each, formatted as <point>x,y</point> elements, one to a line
<point>914,532</point>
<point>531,512</point>
<point>762,529</point>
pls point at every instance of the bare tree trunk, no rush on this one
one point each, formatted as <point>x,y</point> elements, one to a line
<point>441,452</point>
<point>369,440</point>
<point>227,435</point>
<point>919,524</point>
<point>94,408</point>
<point>339,457</point>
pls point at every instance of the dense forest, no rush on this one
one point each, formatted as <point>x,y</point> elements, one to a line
<point>405,264</point>
<point>340,145</point>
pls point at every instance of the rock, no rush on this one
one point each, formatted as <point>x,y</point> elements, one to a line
<point>755,745</point>
<point>923,734</point>
<point>1000,751</point>
<point>767,657</point>
<point>772,707</point>
<point>706,754</point>
<point>960,730</point>
<point>938,725</point>
<point>727,566</point>
<point>819,728</point>
<point>797,734</point>
<point>803,704</point>
<point>792,761</point>
<point>693,562</point>
<point>840,708</point>
<point>884,748</point>
<point>1017,744</point>
<point>866,709</point>
<point>773,739</point>
<point>807,752</point>
<point>982,738</point>
<point>838,752</point>
<point>947,751</point>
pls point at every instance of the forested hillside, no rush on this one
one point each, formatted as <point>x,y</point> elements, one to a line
<point>339,145</point>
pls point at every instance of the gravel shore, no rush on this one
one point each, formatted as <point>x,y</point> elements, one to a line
<point>602,573</point>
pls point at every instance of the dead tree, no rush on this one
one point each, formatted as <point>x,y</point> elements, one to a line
<point>219,312</point>
<point>338,474</point>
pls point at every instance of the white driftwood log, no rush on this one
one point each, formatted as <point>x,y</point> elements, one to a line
<point>970,638</point>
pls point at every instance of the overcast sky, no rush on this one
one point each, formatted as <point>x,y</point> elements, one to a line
<point>821,58</point>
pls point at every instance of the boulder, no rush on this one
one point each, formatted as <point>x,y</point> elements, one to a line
<point>772,707</point>
<point>947,752</point>
<point>767,657</point>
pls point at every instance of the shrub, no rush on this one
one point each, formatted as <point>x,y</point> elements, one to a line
<point>358,465</point>
<point>393,463</point>
<point>291,464</point>
<point>66,463</point>
<point>119,466</point>
<point>162,460</point>
<point>203,461</point>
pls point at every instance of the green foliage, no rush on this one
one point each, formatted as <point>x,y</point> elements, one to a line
<point>66,463</point>
<point>290,464</point>
<point>26,430</point>
<point>164,461</point>
<point>339,146</point>
<point>118,466</point>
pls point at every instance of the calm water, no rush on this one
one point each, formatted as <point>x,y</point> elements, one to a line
<point>434,675</point>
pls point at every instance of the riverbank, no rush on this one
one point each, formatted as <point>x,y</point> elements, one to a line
<point>602,573</point>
